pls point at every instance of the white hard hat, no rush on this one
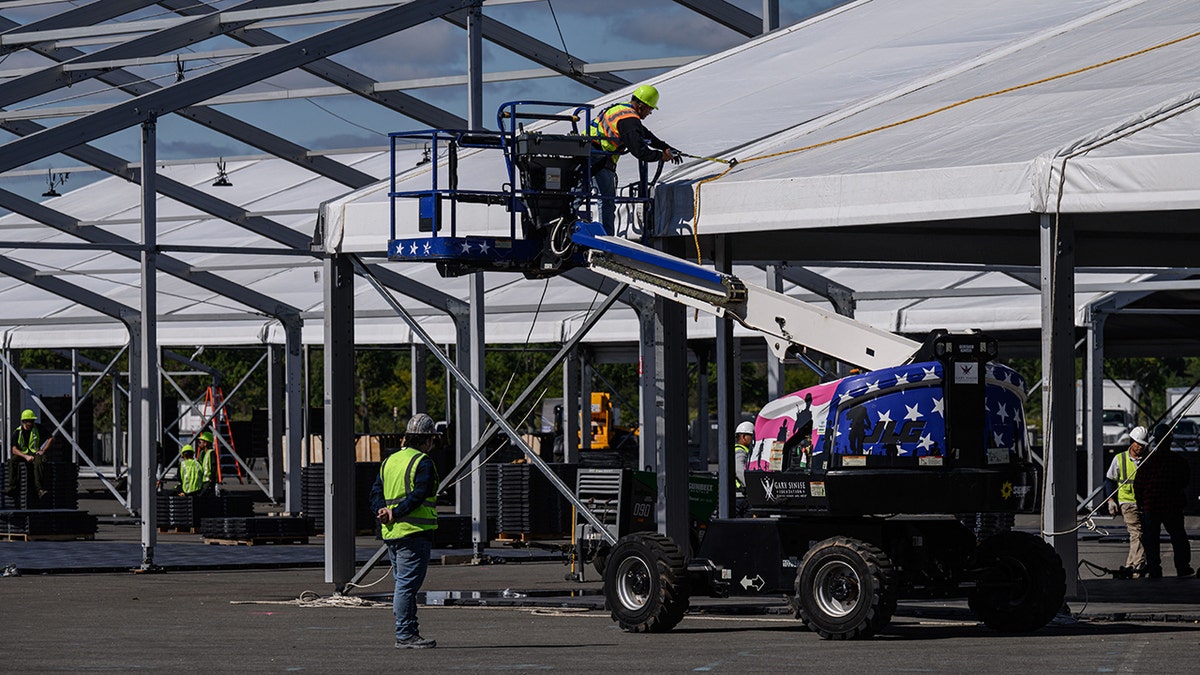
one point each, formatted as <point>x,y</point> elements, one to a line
<point>1139,436</point>
<point>745,428</point>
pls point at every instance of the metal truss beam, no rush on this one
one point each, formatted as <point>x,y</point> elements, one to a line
<point>90,14</point>
<point>129,249</point>
<point>840,295</point>
<point>236,215</point>
<point>231,77</point>
<point>29,275</point>
<point>334,73</point>
<point>213,119</point>
<point>727,15</point>
<point>539,52</point>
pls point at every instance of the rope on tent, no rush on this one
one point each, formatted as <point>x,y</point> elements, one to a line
<point>1007,90</point>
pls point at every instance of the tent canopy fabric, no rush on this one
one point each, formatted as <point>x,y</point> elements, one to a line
<point>882,130</point>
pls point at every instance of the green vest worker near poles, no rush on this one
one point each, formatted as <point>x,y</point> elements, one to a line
<point>404,499</point>
<point>29,450</point>
<point>189,471</point>
<point>208,461</point>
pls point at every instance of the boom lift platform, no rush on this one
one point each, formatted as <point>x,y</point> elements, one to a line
<point>855,483</point>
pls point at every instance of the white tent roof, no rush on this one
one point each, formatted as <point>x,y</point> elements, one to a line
<point>863,66</point>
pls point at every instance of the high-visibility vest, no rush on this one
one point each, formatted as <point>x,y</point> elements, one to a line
<point>605,124</point>
<point>738,446</point>
<point>1126,470</point>
<point>28,443</point>
<point>189,475</point>
<point>206,465</point>
<point>399,474</point>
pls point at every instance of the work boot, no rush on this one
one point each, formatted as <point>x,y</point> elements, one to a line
<point>1185,571</point>
<point>416,642</point>
<point>1154,572</point>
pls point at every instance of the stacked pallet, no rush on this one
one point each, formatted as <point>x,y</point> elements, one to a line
<point>33,524</point>
<point>60,480</point>
<point>257,529</point>
<point>183,513</point>
<point>453,531</point>
<point>312,495</point>
<point>527,504</point>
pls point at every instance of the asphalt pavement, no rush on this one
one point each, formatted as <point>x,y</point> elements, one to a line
<point>210,611</point>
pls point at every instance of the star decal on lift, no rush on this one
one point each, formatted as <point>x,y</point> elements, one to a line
<point>912,412</point>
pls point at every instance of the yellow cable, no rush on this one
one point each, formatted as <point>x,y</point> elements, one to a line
<point>1094,66</point>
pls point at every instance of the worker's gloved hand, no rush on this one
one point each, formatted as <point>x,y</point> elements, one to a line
<point>673,156</point>
<point>1114,509</point>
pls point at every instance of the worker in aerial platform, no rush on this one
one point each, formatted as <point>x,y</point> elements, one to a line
<point>619,129</point>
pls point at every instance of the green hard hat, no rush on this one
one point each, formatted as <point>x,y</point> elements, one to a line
<point>206,436</point>
<point>647,94</point>
<point>186,449</point>
<point>27,415</point>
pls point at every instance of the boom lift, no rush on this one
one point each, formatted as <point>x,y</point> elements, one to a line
<point>855,483</point>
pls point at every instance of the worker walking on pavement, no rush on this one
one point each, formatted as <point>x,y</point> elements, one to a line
<point>1119,480</point>
<point>1160,486</point>
<point>618,129</point>
<point>404,499</point>
<point>27,446</point>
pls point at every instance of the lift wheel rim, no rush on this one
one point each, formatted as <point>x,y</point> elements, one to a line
<point>837,588</point>
<point>633,583</point>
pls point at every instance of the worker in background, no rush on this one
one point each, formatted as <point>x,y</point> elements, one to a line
<point>31,451</point>
<point>190,482</point>
<point>743,438</point>
<point>619,129</point>
<point>404,499</point>
<point>208,464</point>
<point>1119,480</point>
<point>1160,486</point>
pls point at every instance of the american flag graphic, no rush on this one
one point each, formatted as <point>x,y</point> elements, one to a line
<point>896,411</point>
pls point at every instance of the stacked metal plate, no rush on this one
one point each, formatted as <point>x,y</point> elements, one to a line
<point>60,480</point>
<point>312,495</point>
<point>528,504</point>
<point>257,527</point>
<point>48,523</point>
<point>453,531</point>
<point>186,511</point>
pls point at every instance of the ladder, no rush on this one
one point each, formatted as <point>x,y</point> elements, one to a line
<point>216,416</point>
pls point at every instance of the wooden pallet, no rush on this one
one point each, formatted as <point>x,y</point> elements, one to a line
<point>178,530</point>
<point>256,541</point>
<point>19,536</point>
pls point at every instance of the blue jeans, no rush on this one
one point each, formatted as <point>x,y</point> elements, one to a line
<point>410,559</point>
<point>605,180</point>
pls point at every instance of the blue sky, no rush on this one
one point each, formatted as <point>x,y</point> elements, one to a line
<point>594,32</point>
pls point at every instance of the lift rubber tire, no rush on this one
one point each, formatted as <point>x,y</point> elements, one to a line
<point>845,589</point>
<point>1021,583</point>
<point>646,583</point>
<point>600,558</point>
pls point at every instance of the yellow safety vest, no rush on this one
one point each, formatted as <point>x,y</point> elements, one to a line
<point>605,124</point>
<point>29,443</point>
<point>206,465</point>
<point>399,474</point>
<point>1126,470</point>
<point>189,475</point>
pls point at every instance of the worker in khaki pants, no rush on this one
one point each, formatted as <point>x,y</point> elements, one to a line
<point>1119,480</point>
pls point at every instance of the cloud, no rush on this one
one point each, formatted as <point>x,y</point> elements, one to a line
<point>434,48</point>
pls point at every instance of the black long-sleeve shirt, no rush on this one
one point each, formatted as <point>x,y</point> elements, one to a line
<point>639,140</point>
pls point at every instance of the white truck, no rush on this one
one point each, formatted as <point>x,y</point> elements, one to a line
<point>1119,411</point>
